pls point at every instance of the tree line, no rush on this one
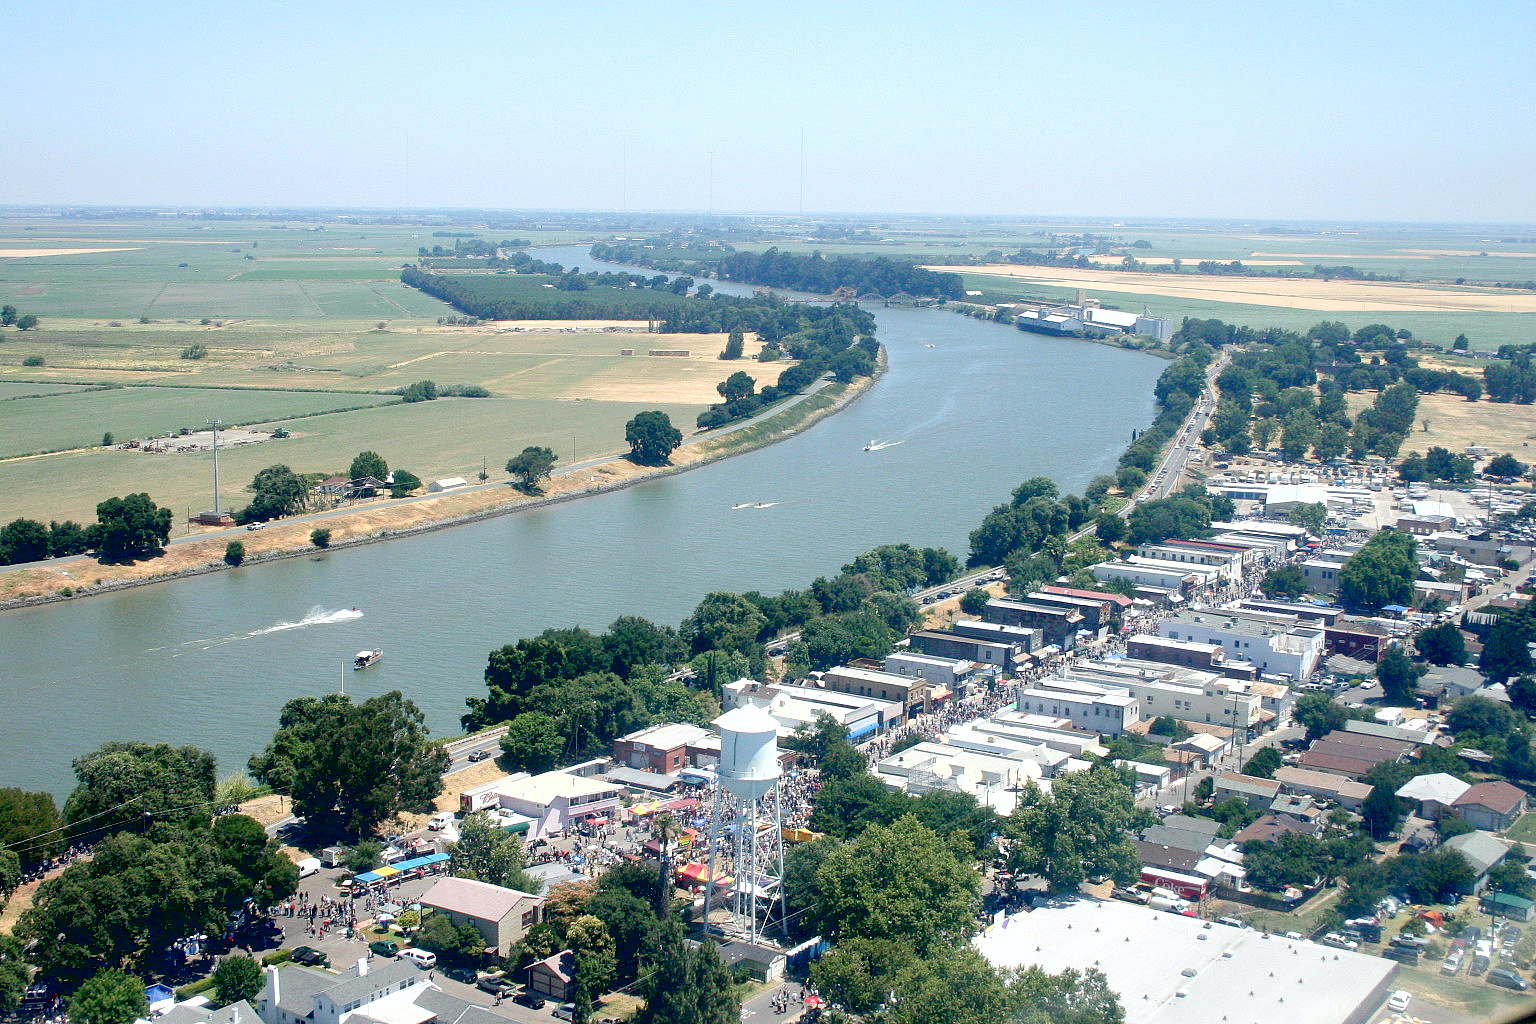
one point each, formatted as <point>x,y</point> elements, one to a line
<point>808,272</point>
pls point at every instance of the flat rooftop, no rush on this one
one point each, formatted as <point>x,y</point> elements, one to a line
<point>1170,969</point>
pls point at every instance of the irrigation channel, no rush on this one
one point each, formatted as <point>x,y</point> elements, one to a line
<point>210,660</point>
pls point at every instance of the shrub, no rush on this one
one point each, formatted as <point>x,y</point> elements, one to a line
<point>320,538</point>
<point>32,361</point>
<point>234,552</point>
<point>197,351</point>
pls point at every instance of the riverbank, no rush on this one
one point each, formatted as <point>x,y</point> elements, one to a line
<point>384,519</point>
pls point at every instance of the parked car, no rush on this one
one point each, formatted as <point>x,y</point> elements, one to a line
<point>1402,954</point>
<point>496,985</point>
<point>1508,979</point>
<point>1398,1001</point>
<point>532,1000</point>
<point>1338,941</point>
<point>383,947</point>
<point>565,1011</point>
<point>309,956</point>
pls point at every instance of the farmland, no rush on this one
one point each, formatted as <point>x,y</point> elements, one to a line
<point>150,327</point>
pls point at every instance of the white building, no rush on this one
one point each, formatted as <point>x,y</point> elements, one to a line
<point>1094,708</point>
<point>1183,577</point>
<point>557,800</point>
<point>1280,645</point>
<point>993,778</point>
<point>1171,969</point>
<point>1188,695</point>
<point>950,673</point>
<point>797,707</point>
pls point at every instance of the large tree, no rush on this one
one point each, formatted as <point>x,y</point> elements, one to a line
<point>1399,678</point>
<point>685,985</point>
<point>236,978</point>
<point>1380,573</point>
<point>110,997</point>
<point>368,463</point>
<point>137,785</point>
<point>531,467</point>
<point>489,853</point>
<point>1505,650</point>
<point>899,879</point>
<point>652,438</point>
<point>1442,645</point>
<point>1082,827</point>
<point>131,528</point>
<point>348,767</point>
<point>29,825</point>
<point>533,742</point>
<point>278,491</point>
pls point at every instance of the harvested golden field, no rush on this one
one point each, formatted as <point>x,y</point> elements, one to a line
<point>1289,293</point>
<point>1455,423</point>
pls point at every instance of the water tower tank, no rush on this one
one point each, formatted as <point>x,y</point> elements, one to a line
<point>749,751</point>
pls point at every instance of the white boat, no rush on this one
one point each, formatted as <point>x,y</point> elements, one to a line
<point>875,446</point>
<point>366,658</point>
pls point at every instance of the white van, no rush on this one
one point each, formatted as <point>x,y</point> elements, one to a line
<point>440,820</point>
<point>423,958</point>
<point>309,866</point>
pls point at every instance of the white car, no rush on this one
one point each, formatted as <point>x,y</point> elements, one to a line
<point>1398,1001</point>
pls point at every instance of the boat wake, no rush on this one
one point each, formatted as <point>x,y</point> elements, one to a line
<point>316,616</point>
<point>880,446</point>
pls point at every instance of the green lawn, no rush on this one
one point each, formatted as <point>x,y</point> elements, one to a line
<point>1523,830</point>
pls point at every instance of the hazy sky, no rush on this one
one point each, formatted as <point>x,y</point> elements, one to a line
<point>1335,110</point>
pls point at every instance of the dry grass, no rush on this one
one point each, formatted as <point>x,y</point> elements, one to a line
<point>12,254</point>
<point>1455,423</point>
<point>1288,293</point>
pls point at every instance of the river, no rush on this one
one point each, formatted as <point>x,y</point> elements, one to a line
<point>210,660</point>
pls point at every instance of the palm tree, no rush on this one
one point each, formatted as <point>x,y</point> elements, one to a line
<point>664,828</point>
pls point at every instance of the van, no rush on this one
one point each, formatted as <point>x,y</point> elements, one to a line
<point>440,821</point>
<point>422,958</point>
<point>1231,922</point>
<point>309,866</point>
<point>565,1011</point>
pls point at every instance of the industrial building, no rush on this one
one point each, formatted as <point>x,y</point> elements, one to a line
<point>1171,969</point>
<point>1086,316</point>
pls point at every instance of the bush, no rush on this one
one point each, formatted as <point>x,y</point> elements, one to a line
<point>272,959</point>
<point>234,552</point>
<point>320,538</point>
<point>197,351</point>
<point>974,602</point>
<point>195,988</point>
<point>32,361</point>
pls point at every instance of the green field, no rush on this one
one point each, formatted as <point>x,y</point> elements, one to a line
<point>79,419</point>
<point>448,437</point>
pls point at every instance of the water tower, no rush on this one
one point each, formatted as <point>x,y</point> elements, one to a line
<point>749,843</point>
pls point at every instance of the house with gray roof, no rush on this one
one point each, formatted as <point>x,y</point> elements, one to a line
<point>369,992</point>
<point>1482,851</point>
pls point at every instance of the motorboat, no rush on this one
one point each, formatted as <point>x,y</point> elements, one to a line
<point>366,658</point>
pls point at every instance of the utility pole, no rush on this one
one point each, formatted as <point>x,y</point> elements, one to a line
<point>215,424</point>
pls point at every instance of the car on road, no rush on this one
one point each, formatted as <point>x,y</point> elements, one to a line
<point>480,755</point>
<point>466,975</point>
<point>383,947</point>
<point>532,1000</point>
<point>309,956</point>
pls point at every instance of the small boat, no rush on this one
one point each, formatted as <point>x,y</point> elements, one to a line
<point>744,504</point>
<point>877,446</point>
<point>366,658</point>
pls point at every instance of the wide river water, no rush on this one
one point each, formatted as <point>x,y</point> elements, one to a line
<point>210,660</point>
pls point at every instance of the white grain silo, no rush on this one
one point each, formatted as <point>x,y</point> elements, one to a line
<point>749,843</point>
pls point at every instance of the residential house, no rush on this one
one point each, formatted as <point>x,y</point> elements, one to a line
<point>502,916</point>
<point>1482,851</point>
<point>1491,806</point>
<point>1255,792</point>
<point>1435,795</point>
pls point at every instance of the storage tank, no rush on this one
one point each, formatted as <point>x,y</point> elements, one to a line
<point>749,751</point>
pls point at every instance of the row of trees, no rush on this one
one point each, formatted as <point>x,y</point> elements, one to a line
<point>126,529</point>
<point>10,316</point>
<point>809,272</point>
